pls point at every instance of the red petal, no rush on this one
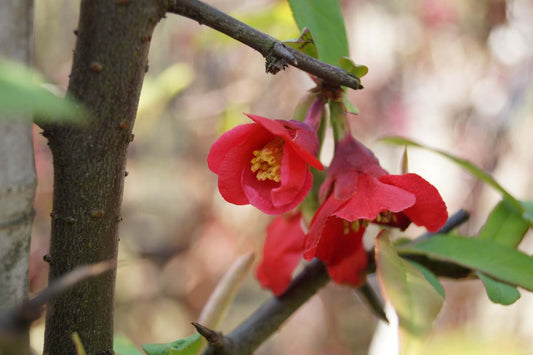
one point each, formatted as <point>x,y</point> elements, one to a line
<point>231,156</point>
<point>341,249</point>
<point>345,185</point>
<point>259,193</point>
<point>225,142</point>
<point>351,155</point>
<point>293,176</point>
<point>298,134</point>
<point>429,209</point>
<point>317,225</point>
<point>372,197</point>
<point>282,251</point>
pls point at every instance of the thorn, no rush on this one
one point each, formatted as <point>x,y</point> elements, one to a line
<point>213,338</point>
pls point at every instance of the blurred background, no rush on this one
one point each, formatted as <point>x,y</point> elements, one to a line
<point>455,75</point>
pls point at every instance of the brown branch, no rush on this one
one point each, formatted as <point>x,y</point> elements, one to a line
<point>277,55</point>
<point>269,317</point>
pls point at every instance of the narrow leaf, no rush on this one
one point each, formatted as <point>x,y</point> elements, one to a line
<point>304,44</point>
<point>504,226</point>
<point>500,262</point>
<point>415,300</point>
<point>22,94</point>
<point>185,346</point>
<point>468,166</point>
<point>223,295</point>
<point>499,292</point>
<point>124,346</point>
<point>324,20</point>
<point>80,350</point>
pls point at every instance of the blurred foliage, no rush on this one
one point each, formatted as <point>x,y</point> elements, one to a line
<point>415,300</point>
<point>23,94</point>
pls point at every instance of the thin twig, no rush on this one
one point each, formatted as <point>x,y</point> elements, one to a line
<point>277,55</point>
<point>269,317</point>
<point>455,220</point>
<point>18,318</point>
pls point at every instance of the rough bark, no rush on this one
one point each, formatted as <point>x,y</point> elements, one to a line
<point>110,60</point>
<point>17,174</point>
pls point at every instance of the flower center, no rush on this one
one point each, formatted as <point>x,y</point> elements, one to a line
<point>354,226</point>
<point>267,161</point>
<point>386,217</point>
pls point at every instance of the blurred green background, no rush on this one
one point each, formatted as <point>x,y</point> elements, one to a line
<point>455,75</point>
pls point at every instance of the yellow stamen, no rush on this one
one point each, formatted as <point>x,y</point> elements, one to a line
<point>385,217</point>
<point>267,161</point>
<point>355,225</point>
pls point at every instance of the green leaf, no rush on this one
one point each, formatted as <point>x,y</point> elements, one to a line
<point>504,226</point>
<point>358,70</point>
<point>499,292</point>
<point>349,106</point>
<point>124,346</point>
<point>185,346</point>
<point>304,44</point>
<point>429,276</point>
<point>415,300</point>
<point>528,211</point>
<point>22,94</point>
<point>468,166</point>
<point>324,20</point>
<point>500,262</point>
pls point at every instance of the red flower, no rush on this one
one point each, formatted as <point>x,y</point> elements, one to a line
<point>359,191</point>
<point>283,249</point>
<point>265,163</point>
<point>340,249</point>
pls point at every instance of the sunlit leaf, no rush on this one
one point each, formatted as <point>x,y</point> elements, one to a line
<point>157,92</point>
<point>499,292</point>
<point>124,346</point>
<point>500,262</point>
<point>358,70</point>
<point>324,20</point>
<point>304,44</point>
<point>504,226</point>
<point>414,299</point>
<point>22,95</point>
<point>185,346</point>
<point>468,166</point>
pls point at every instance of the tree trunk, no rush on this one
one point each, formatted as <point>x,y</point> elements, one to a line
<point>110,60</point>
<point>17,172</point>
